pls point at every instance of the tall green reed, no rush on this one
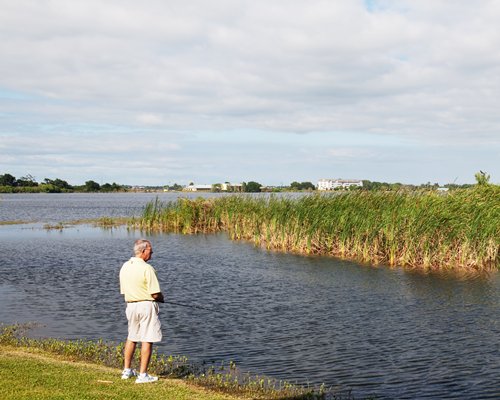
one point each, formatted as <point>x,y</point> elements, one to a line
<point>427,230</point>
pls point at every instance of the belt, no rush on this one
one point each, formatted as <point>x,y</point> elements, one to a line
<point>138,301</point>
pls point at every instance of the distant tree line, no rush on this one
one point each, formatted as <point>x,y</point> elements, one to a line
<point>369,185</point>
<point>28,184</point>
<point>174,187</point>
<point>482,178</point>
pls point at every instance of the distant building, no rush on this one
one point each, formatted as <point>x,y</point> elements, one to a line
<point>332,184</point>
<point>198,188</point>
<point>231,187</point>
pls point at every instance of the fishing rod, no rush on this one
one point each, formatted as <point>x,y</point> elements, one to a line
<point>199,307</point>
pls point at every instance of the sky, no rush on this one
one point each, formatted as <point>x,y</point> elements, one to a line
<point>157,92</point>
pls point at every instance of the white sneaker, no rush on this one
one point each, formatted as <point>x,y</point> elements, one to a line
<point>128,373</point>
<point>145,378</point>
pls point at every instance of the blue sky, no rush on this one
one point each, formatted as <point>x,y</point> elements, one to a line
<point>157,92</point>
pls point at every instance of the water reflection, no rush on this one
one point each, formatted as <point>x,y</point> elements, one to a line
<point>388,332</point>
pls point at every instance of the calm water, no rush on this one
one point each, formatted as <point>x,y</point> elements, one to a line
<point>386,332</point>
<point>58,207</point>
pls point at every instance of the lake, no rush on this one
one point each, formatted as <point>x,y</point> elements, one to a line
<point>391,333</point>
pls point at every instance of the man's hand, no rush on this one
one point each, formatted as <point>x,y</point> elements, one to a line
<point>158,297</point>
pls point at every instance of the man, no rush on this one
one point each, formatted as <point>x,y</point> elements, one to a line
<point>139,285</point>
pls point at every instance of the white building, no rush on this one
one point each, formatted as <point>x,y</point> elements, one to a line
<point>235,187</point>
<point>332,184</point>
<point>198,188</point>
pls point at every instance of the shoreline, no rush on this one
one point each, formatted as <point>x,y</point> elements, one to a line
<point>175,372</point>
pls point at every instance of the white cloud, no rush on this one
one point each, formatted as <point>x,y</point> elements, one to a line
<point>427,71</point>
<point>150,119</point>
<point>95,143</point>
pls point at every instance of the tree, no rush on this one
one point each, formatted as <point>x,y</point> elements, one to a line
<point>216,187</point>
<point>27,181</point>
<point>307,186</point>
<point>295,185</point>
<point>252,187</point>
<point>91,186</point>
<point>58,183</point>
<point>302,186</point>
<point>61,184</point>
<point>482,178</point>
<point>369,185</point>
<point>108,187</point>
<point>7,180</point>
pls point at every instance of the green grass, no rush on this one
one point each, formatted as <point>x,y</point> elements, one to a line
<point>28,374</point>
<point>104,363</point>
<point>428,230</point>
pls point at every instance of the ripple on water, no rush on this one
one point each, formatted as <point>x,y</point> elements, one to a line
<point>387,332</point>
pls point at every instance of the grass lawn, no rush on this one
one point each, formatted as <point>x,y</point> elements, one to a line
<point>31,374</point>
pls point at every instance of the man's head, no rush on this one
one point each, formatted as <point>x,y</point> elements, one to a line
<point>143,249</point>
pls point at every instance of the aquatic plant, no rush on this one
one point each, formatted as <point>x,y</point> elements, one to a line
<point>459,229</point>
<point>109,222</point>
<point>58,227</point>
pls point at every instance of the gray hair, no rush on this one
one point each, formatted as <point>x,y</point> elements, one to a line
<point>140,245</point>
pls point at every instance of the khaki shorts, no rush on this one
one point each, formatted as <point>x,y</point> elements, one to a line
<point>143,322</point>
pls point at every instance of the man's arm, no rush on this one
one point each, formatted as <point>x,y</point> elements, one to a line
<point>158,297</point>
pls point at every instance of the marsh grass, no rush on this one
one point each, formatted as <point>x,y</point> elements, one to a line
<point>221,378</point>
<point>428,230</point>
<point>109,222</point>
<point>106,223</point>
<point>13,222</point>
<point>55,227</point>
